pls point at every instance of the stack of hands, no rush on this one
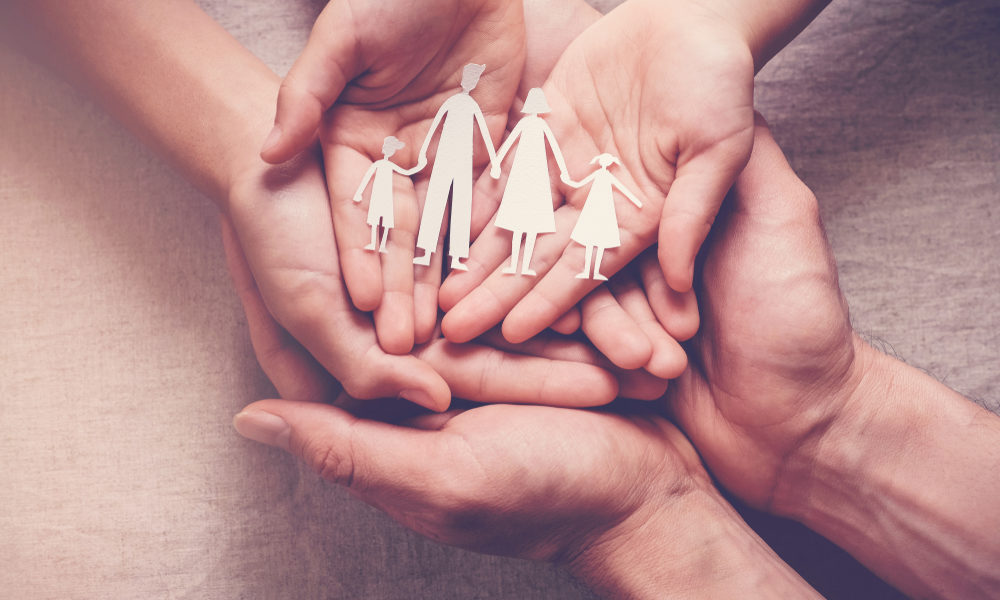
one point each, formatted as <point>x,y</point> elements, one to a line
<point>771,391</point>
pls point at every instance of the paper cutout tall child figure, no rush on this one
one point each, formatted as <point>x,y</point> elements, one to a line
<point>526,208</point>
<point>380,205</point>
<point>452,170</point>
<point>597,227</point>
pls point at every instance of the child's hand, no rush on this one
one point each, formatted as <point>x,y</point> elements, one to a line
<point>389,65</point>
<point>665,87</point>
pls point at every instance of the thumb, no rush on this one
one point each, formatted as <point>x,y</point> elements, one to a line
<point>768,186</point>
<point>372,458</point>
<point>315,81</point>
<point>692,202</point>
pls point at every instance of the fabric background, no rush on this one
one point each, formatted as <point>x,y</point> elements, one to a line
<point>125,353</point>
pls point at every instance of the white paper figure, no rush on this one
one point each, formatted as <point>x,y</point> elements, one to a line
<point>453,170</point>
<point>597,227</point>
<point>380,204</point>
<point>526,208</point>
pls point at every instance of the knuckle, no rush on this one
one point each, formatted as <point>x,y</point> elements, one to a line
<point>331,465</point>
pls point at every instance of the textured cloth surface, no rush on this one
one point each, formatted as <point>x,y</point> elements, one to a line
<point>125,352</point>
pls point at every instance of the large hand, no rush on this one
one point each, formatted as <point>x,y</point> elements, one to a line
<point>775,357</point>
<point>622,499</point>
<point>389,66</point>
<point>528,481</point>
<point>671,96</point>
<point>280,218</point>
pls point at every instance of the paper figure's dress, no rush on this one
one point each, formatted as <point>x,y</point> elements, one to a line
<point>380,205</point>
<point>598,223</point>
<point>526,205</point>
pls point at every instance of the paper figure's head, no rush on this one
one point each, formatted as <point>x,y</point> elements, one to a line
<point>470,76</point>
<point>605,160</point>
<point>535,103</point>
<point>390,145</point>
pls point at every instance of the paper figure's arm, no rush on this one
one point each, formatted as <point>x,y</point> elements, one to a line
<point>505,148</point>
<point>422,161</point>
<point>364,182</point>
<point>408,172</point>
<point>556,153</point>
<point>582,182</point>
<point>487,139</point>
<point>625,191</point>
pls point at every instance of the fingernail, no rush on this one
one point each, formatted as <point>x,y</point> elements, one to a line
<point>272,139</point>
<point>418,397</point>
<point>264,427</point>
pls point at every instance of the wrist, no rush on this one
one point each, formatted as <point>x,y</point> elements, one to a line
<point>766,26</point>
<point>907,464</point>
<point>693,545</point>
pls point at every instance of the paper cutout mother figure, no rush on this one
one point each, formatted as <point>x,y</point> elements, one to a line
<point>453,171</point>
<point>526,208</point>
<point>381,206</point>
<point>597,227</point>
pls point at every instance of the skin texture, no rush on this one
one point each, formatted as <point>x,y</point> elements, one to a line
<point>389,66</point>
<point>775,356</point>
<point>679,162</point>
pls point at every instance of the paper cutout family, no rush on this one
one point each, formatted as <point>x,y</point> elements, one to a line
<point>526,206</point>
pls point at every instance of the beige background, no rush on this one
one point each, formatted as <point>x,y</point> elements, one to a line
<point>125,353</point>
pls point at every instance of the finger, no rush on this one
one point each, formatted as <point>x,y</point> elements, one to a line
<point>362,269</point>
<point>316,79</point>
<point>485,374</point>
<point>613,331</point>
<point>635,383</point>
<point>667,359</point>
<point>293,371</point>
<point>569,323</point>
<point>486,304</point>
<point>677,312</point>
<point>560,288</point>
<point>693,200</point>
<point>366,456</point>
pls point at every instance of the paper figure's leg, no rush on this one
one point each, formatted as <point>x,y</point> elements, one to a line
<point>515,250</point>
<point>461,219</point>
<point>529,248</point>
<point>371,246</point>
<point>597,265</point>
<point>385,239</point>
<point>433,215</point>
<point>585,273</point>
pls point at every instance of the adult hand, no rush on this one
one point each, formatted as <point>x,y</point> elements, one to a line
<point>674,104</point>
<point>389,66</point>
<point>622,500</point>
<point>798,416</point>
<point>775,359</point>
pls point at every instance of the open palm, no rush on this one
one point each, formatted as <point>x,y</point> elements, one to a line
<point>672,99</point>
<point>389,66</point>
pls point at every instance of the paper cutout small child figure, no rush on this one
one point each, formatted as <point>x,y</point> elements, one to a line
<point>597,227</point>
<point>380,204</point>
<point>526,207</point>
<point>452,171</point>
